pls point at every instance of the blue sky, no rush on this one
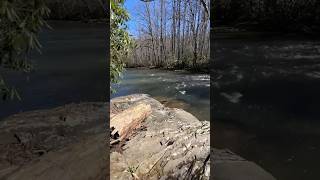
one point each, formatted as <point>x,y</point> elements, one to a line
<point>132,6</point>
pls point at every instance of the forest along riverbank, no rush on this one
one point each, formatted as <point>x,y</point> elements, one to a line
<point>266,101</point>
<point>71,68</point>
<point>76,9</point>
<point>182,89</point>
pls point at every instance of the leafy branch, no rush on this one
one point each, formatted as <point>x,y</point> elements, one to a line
<point>119,39</point>
<point>19,26</point>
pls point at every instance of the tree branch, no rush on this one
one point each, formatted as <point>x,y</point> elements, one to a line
<point>202,2</point>
<point>205,6</point>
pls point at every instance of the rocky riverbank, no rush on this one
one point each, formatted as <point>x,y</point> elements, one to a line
<point>69,142</point>
<point>64,143</point>
<point>173,144</point>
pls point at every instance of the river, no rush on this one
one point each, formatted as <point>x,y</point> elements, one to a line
<point>266,102</point>
<point>71,68</point>
<point>266,91</point>
<point>189,91</point>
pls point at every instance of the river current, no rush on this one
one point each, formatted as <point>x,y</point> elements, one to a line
<point>266,91</point>
<point>192,90</point>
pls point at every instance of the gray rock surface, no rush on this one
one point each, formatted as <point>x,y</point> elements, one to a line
<point>66,142</point>
<point>229,166</point>
<point>84,160</point>
<point>173,144</point>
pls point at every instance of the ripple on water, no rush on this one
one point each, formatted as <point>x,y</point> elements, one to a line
<point>192,89</point>
<point>182,92</point>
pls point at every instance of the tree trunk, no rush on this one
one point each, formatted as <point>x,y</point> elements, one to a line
<point>125,122</point>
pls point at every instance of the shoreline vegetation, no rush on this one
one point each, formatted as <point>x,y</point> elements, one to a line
<point>172,35</point>
<point>201,70</point>
<point>76,9</point>
<point>253,16</point>
<point>233,32</point>
<point>287,16</point>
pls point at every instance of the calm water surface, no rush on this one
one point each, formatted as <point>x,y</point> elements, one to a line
<point>71,68</point>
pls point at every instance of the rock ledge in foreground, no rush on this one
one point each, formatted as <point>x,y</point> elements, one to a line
<point>172,145</point>
<point>67,142</point>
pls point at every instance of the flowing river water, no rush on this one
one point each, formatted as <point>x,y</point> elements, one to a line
<point>266,92</point>
<point>266,102</point>
<point>181,89</point>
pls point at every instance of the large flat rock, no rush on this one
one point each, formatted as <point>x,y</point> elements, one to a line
<point>85,160</point>
<point>229,166</point>
<point>240,170</point>
<point>172,145</point>
<point>67,142</point>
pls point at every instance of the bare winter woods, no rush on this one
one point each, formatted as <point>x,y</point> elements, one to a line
<point>271,15</point>
<point>172,34</point>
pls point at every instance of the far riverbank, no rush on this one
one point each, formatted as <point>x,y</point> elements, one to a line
<point>204,69</point>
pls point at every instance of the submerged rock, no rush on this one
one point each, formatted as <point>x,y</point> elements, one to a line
<point>172,103</point>
<point>233,97</point>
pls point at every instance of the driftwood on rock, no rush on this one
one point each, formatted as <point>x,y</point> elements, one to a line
<point>123,123</point>
<point>174,145</point>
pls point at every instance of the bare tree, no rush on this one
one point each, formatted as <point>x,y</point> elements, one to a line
<point>173,34</point>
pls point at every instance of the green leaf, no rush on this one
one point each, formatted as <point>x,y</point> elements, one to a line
<point>20,23</point>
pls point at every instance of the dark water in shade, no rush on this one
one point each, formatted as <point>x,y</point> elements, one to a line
<point>275,121</point>
<point>71,68</point>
